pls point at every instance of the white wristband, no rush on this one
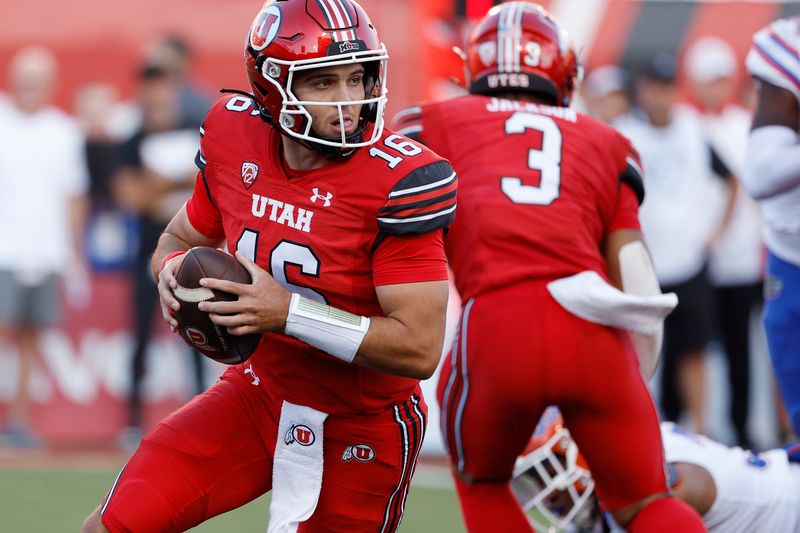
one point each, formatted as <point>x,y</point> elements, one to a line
<point>332,330</point>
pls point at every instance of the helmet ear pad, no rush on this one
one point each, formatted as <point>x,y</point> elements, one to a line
<point>260,59</point>
<point>371,90</point>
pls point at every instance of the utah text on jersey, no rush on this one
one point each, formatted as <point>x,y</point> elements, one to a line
<point>301,221</point>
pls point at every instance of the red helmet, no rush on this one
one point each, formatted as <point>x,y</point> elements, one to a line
<point>519,47</point>
<point>289,36</point>
<point>552,477</point>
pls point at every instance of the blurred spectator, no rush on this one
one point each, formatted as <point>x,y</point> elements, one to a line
<point>42,210</point>
<point>109,235</point>
<point>605,93</point>
<point>173,54</point>
<point>735,262</point>
<point>683,210</point>
<point>155,177</point>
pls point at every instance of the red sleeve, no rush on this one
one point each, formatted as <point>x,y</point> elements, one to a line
<point>409,259</point>
<point>626,212</point>
<point>202,212</point>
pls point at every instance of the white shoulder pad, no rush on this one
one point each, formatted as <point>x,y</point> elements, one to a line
<point>775,55</point>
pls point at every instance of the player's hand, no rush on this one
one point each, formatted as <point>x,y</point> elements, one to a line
<point>166,284</point>
<point>262,305</point>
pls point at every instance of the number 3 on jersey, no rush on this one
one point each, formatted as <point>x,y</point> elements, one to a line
<point>547,160</point>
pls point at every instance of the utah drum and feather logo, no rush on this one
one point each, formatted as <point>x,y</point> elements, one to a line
<point>363,453</point>
<point>300,434</point>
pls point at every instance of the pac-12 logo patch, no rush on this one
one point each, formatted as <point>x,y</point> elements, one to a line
<point>362,453</point>
<point>265,27</point>
<point>249,173</point>
<point>300,434</point>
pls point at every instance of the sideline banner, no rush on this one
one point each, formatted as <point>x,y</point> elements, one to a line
<point>79,391</point>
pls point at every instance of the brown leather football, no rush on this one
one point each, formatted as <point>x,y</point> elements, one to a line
<point>194,325</point>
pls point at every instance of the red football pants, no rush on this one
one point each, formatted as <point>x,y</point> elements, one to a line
<point>518,351</point>
<point>215,454</point>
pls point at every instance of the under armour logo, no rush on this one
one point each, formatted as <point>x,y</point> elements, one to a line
<point>327,197</point>
<point>249,370</point>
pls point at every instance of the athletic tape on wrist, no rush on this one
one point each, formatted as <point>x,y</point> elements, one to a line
<point>332,330</point>
<point>171,256</point>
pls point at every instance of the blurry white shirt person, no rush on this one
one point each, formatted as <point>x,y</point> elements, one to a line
<point>772,176</point>
<point>42,210</point>
<point>683,210</point>
<point>605,93</point>
<point>713,68</point>
<point>735,259</point>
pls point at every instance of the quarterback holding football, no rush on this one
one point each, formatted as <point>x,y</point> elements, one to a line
<point>339,222</point>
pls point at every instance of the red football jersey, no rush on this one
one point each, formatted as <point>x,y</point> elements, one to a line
<point>330,234</point>
<point>539,187</point>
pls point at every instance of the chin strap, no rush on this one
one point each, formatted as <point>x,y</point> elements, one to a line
<point>237,91</point>
<point>334,152</point>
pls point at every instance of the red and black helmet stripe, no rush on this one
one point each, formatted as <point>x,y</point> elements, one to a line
<point>340,19</point>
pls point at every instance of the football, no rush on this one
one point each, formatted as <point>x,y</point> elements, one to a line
<point>195,326</point>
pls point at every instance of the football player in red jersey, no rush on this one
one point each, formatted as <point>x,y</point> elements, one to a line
<point>340,223</point>
<point>546,235</point>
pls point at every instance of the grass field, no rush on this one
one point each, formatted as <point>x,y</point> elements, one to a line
<point>38,500</point>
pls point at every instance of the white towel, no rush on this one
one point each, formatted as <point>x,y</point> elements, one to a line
<point>590,297</point>
<point>297,467</point>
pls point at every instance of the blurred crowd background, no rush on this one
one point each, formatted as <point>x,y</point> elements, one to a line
<point>100,104</point>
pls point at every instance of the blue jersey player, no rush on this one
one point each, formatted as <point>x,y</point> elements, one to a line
<point>772,175</point>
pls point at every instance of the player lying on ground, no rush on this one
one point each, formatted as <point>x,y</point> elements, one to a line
<point>733,489</point>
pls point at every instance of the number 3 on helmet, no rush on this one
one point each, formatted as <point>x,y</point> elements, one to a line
<point>291,36</point>
<point>520,47</point>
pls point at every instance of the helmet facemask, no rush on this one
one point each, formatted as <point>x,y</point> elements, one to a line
<point>296,121</point>
<point>550,481</point>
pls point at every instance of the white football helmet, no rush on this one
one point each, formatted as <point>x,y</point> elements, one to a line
<point>552,480</point>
